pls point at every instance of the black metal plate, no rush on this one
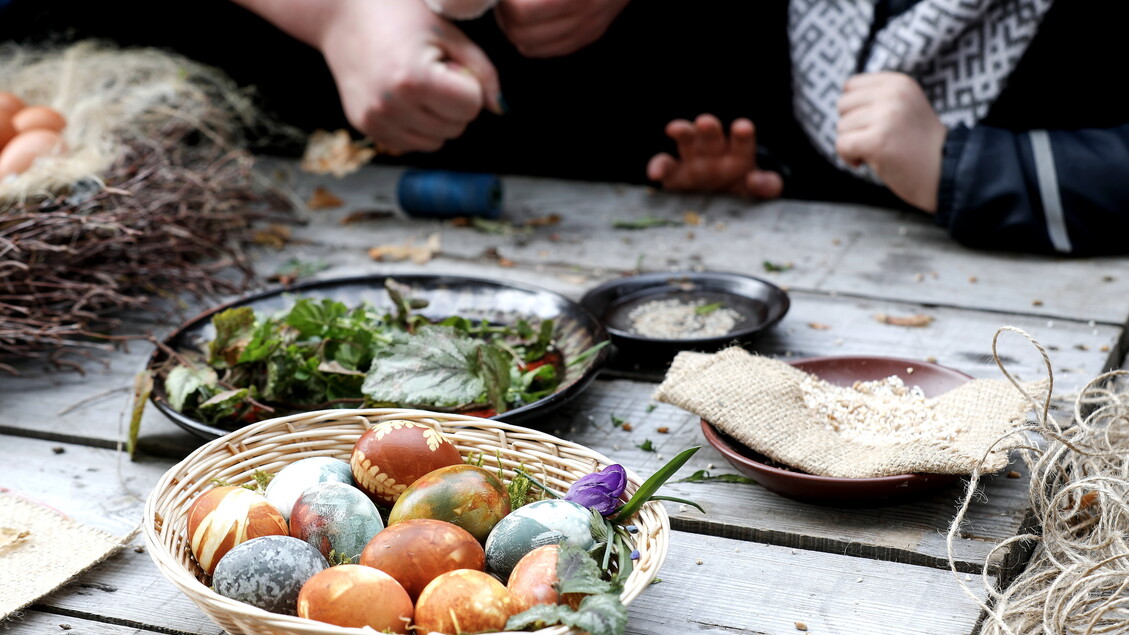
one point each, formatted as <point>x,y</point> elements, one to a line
<point>498,302</point>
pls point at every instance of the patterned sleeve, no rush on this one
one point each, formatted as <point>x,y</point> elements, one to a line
<point>1047,191</point>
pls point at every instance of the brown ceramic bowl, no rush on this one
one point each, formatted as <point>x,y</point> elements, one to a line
<point>845,492</point>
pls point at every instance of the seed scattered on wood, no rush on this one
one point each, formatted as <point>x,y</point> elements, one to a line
<point>626,426</point>
<point>916,319</point>
<point>662,430</point>
<point>818,326</point>
<point>1036,303</point>
<point>1013,474</point>
<point>800,626</point>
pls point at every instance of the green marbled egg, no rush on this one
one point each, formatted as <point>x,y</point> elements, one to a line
<point>546,522</point>
<point>465,495</point>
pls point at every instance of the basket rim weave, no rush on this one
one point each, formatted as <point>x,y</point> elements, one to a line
<point>268,445</point>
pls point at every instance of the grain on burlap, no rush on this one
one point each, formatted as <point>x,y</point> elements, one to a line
<point>759,401</point>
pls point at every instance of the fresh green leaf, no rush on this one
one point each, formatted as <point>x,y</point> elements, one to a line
<point>702,476</point>
<point>602,614</point>
<point>587,354</point>
<point>440,368</point>
<point>646,446</point>
<point>706,309</point>
<point>234,328</point>
<point>314,318</point>
<point>657,497</point>
<point>652,484</point>
<point>577,572</point>
<point>183,382</point>
<point>223,404</point>
<point>773,267</point>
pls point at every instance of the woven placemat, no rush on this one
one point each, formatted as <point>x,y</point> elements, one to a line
<point>767,405</point>
<point>41,550</point>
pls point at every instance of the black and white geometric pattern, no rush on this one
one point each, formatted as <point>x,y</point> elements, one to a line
<point>960,51</point>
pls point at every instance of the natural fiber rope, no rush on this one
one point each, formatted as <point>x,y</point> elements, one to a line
<point>1077,581</point>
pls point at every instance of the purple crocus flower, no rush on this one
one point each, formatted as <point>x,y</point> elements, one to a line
<point>600,490</point>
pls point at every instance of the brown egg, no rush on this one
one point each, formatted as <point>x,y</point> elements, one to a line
<point>10,102</point>
<point>417,551</point>
<point>38,118</point>
<point>352,595</point>
<point>7,131</point>
<point>24,148</point>
<point>534,578</point>
<point>393,454</point>
<point>464,601</point>
<point>227,516</point>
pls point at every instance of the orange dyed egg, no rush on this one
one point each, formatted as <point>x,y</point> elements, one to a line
<point>352,595</point>
<point>415,552</point>
<point>393,454</point>
<point>7,131</point>
<point>463,601</point>
<point>38,118</point>
<point>24,148</point>
<point>10,102</point>
<point>224,517</point>
<point>534,578</point>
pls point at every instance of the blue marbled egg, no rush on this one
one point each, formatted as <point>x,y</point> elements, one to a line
<point>546,522</point>
<point>268,572</point>
<point>289,483</point>
<point>336,518</point>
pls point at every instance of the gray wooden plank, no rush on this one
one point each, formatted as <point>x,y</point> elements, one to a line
<point>717,585</point>
<point>95,407</point>
<point>38,622</point>
<point>843,249</point>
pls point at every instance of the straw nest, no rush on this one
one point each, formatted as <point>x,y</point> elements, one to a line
<point>268,446</point>
<point>152,199</point>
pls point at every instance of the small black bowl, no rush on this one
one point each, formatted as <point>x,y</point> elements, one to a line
<point>759,304</point>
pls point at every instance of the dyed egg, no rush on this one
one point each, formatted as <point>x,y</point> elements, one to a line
<point>469,496</point>
<point>10,102</point>
<point>7,131</point>
<point>337,519</point>
<point>224,517</point>
<point>533,581</point>
<point>22,150</point>
<point>545,522</point>
<point>463,601</point>
<point>38,118</point>
<point>418,550</point>
<point>352,595</point>
<point>292,480</point>
<point>268,572</point>
<point>393,454</point>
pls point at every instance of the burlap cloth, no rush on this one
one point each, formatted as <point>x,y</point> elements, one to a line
<point>41,550</point>
<point>767,405</point>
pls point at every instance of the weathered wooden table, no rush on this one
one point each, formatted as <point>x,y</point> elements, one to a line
<point>755,562</point>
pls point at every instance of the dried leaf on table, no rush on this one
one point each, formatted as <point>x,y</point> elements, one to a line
<point>322,198</point>
<point>335,153</point>
<point>272,236</point>
<point>692,218</point>
<point>915,320</point>
<point>819,326</point>
<point>362,215</point>
<point>418,254</point>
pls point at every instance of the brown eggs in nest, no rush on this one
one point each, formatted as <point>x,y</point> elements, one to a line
<point>24,148</point>
<point>464,601</point>
<point>392,454</point>
<point>417,551</point>
<point>38,118</point>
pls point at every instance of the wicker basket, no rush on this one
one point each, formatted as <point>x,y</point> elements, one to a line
<point>267,446</point>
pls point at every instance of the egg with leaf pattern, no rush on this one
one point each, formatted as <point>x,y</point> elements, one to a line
<point>392,454</point>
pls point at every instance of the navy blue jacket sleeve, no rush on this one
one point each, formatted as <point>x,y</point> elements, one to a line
<point>1049,191</point>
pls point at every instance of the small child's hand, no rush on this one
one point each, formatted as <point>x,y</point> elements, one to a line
<point>709,162</point>
<point>886,122</point>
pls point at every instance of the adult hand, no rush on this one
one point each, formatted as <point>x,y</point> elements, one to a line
<point>551,28</point>
<point>886,122</point>
<point>407,78</point>
<point>710,162</point>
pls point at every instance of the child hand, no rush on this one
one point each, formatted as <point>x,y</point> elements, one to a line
<point>709,162</point>
<point>886,122</point>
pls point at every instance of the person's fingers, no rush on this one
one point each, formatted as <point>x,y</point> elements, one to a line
<point>854,147</point>
<point>661,167</point>
<point>711,136</point>
<point>743,140</point>
<point>460,51</point>
<point>684,135</point>
<point>764,184</point>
